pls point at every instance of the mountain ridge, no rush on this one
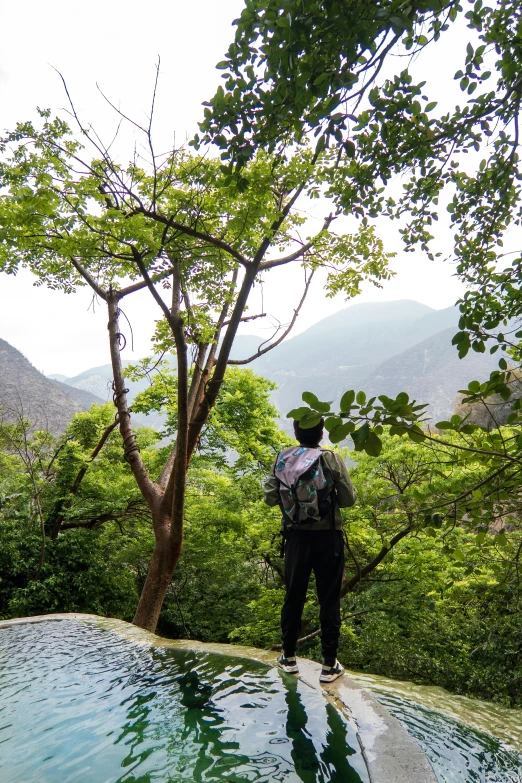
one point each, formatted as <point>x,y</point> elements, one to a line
<point>382,348</point>
<point>25,392</point>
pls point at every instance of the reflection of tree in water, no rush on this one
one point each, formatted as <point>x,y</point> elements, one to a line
<point>189,720</point>
<point>331,764</point>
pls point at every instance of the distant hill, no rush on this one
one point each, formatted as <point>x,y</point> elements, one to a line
<point>431,372</point>
<point>342,351</point>
<point>382,348</point>
<point>25,391</point>
<point>97,381</point>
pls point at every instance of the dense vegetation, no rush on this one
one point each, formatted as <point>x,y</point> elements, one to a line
<point>441,607</point>
<point>97,522</point>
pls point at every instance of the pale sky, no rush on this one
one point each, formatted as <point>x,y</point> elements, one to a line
<point>116,45</point>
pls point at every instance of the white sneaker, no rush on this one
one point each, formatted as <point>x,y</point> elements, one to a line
<point>288,665</point>
<point>331,673</point>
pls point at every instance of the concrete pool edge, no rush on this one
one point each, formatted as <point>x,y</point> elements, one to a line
<point>390,753</point>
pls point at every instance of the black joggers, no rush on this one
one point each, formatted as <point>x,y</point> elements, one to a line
<point>322,552</point>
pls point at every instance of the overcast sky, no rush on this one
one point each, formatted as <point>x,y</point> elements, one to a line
<point>115,45</point>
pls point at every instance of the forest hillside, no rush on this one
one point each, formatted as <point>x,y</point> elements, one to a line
<point>24,391</point>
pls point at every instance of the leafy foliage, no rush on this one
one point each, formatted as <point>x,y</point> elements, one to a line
<point>293,64</point>
<point>242,423</point>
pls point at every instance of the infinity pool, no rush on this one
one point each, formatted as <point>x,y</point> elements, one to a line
<point>458,753</point>
<point>80,703</point>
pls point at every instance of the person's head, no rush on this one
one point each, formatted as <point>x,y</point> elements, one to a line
<point>311,436</point>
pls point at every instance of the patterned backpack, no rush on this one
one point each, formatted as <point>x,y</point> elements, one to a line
<point>302,485</point>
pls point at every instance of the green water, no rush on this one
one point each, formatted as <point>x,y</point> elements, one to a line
<point>440,723</point>
<point>80,703</point>
<point>457,753</point>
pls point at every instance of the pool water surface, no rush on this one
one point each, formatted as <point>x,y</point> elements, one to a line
<point>80,703</point>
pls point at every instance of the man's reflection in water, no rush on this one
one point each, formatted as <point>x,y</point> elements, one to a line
<point>216,757</point>
<point>186,730</point>
<point>304,755</point>
<point>330,762</point>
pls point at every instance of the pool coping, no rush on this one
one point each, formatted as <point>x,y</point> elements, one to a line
<point>390,753</point>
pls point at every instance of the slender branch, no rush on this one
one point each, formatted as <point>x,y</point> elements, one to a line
<point>150,285</point>
<point>131,289</point>
<point>372,565</point>
<point>276,225</point>
<point>285,333</point>
<point>248,318</point>
<point>299,252</point>
<point>213,386</point>
<point>468,492</point>
<point>173,501</point>
<point>89,279</point>
<point>192,232</point>
<point>59,509</point>
<point>316,633</point>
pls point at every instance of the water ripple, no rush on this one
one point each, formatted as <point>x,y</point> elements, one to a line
<point>79,703</point>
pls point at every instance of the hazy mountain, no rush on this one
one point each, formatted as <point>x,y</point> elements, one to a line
<point>343,350</point>
<point>24,391</point>
<point>97,380</point>
<point>431,372</point>
<point>382,348</point>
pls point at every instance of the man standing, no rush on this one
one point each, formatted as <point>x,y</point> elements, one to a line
<point>310,484</point>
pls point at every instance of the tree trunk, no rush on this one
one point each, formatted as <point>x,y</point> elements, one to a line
<point>159,576</point>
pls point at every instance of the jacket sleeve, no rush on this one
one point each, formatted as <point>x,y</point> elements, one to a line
<point>271,491</point>
<point>344,489</point>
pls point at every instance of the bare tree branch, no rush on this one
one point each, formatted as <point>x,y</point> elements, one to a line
<point>89,279</point>
<point>299,252</point>
<point>131,289</point>
<point>285,333</point>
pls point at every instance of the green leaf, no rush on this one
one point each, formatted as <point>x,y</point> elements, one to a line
<point>444,425</point>
<point>298,413</point>
<point>347,400</point>
<point>310,420</point>
<point>360,398</point>
<point>349,148</point>
<point>315,403</point>
<point>373,445</point>
<point>360,436</point>
<point>332,422</point>
<point>500,539</point>
<point>341,432</point>
<point>416,435</point>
